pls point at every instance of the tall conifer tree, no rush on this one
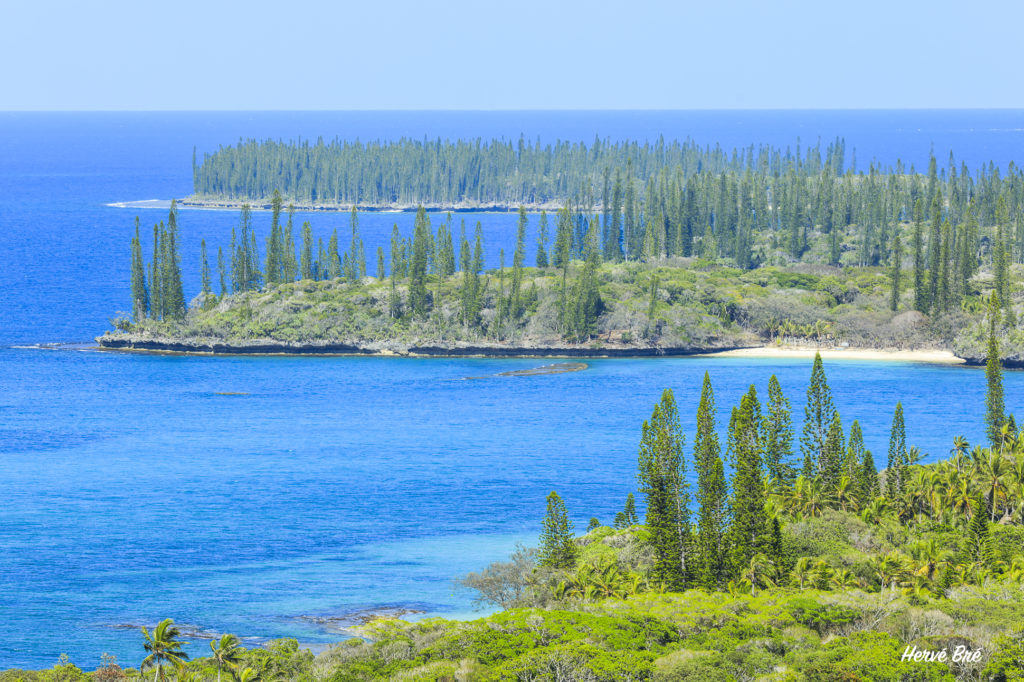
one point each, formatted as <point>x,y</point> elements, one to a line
<point>777,436</point>
<point>818,415</point>
<point>662,478</point>
<point>306,256</point>
<point>542,240</point>
<point>518,258</point>
<point>275,243</point>
<point>155,279</point>
<point>834,455</point>
<point>422,237</point>
<point>920,291</point>
<point>895,468</point>
<point>222,272</point>
<point>174,292</point>
<point>140,293</point>
<point>894,277</point>
<point>333,258</point>
<point>557,548</point>
<point>995,404</point>
<point>750,529</point>
<point>205,285</point>
<point>290,267</point>
<point>711,493</point>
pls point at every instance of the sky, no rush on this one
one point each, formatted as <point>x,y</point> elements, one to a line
<point>480,54</point>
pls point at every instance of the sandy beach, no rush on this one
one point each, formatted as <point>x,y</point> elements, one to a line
<point>934,356</point>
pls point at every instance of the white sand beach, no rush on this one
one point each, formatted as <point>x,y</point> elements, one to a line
<point>935,356</point>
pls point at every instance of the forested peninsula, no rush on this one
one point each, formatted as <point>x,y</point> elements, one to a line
<point>646,250</point>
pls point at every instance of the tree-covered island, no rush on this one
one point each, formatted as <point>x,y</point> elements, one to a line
<point>639,249</point>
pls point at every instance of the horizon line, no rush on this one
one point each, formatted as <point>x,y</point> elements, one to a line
<point>485,111</point>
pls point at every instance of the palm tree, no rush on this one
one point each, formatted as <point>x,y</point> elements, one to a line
<point>888,568</point>
<point>560,591</point>
<point>821,574</point>
<point>960,496</point>
<point>736,588</point>
<point>1007,438</point>
<point>876,511</point>
<point>920,587</point>
<point>163,647</point>
<point>803,571</point>
<point>608,581</point>
<point>1016,570</point>
<point>760,573</point>
<point>845,494</point>
<point>930,556</point>
<point>993,470</point>
<point>842,579</point>
<point>960,446</point>
<point>920,488</point>
<point>247,675</point>
<point>806,497</point>
<point>227,652</point>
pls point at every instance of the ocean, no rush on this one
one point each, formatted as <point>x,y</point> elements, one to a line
<point>134,489</point>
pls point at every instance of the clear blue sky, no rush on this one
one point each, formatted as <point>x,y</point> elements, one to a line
<point>301,54</point>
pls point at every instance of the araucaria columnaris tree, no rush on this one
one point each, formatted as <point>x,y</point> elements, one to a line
<point>140,293</point>
<point>834,454</point>
<point>661,474</point>
<point>557,548</point>
<point>895,469</point>
<point>777,436</point>
<point>818,415</point>
<point>518,259</point>
<point>894,276</point>
<point>750,531</point>
<point>995,406</point>
<point>542,240</point>
<point>629,512</point>
<point>421,239</point>
<point>854,451</point>
<point>711,494</point>
<point>205,285</point>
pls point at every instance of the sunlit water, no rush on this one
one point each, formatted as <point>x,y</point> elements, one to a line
<point>133,489</point>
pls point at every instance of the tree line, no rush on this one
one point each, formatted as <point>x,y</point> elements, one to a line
<point>735,535</point>
<point>414,261</point>
<point>674,198</point>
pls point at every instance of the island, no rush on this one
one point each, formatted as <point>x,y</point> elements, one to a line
<point>635,249</point>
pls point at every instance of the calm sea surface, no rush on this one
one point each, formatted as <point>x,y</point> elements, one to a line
<point>132,490</point>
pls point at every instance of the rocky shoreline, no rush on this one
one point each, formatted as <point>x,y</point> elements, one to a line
<point>224,204</point>
<point>130,343</point>
<point>271,347</point>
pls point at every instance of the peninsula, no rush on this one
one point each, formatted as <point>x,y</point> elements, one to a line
<point>637,249</point>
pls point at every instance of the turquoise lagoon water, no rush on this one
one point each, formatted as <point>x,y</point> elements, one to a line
<point>133,490</point>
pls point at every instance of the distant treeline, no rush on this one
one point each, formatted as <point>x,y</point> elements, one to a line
<point>616,202</point>
<point>669,198</point>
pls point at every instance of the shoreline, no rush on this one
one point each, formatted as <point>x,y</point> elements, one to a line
<point>271,348</point>
<point>274,349</point>
<point>235,205</point>
<point>938,357</point>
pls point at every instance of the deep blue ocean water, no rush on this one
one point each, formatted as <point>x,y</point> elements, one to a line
<point>132,491</point>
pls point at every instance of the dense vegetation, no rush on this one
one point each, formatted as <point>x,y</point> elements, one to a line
<point>673,199</point>
<point>560,292</point>
<point>801,561</point>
